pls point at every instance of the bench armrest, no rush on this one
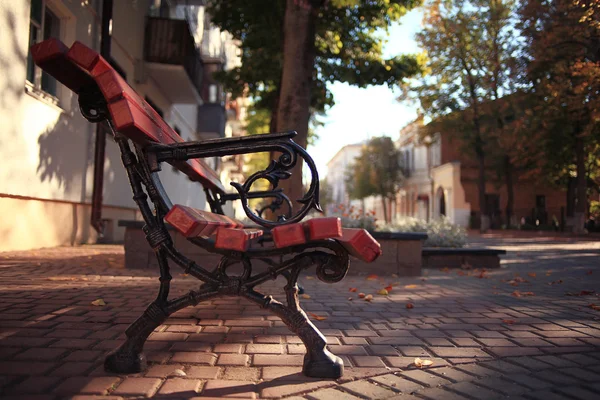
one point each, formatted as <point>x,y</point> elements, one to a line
<point>290,154</point>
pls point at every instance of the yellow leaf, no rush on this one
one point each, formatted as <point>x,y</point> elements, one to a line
<point>317,317</point>
<point>410,287</point>
<point>531,274</point>
<point>422,363</point>
<point>372,277</point>
<point>310,278</point>
<point>369,297</point>
<point>383,292</point>
<point>305,296</point>
<point>98,302</point>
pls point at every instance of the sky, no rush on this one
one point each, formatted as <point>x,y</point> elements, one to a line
<point>373,111</point>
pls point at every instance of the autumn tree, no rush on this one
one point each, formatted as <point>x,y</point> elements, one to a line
<point>291,49</point>
<point>471,60</point>
<point>376,172</point>
<point>564,68</point>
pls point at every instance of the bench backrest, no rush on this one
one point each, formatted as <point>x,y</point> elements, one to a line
<point>80,67</point>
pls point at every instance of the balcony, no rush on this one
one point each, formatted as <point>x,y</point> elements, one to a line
<point>211,121</point>
<point>172,59</point>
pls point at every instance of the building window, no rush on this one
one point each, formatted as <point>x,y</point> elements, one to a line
<point>43,24</point>
<point>212,93</point>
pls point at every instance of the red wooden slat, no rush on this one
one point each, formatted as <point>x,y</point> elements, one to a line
<point>193,223</point>
<point>236,239</point>
<point>324,228</point>
<point>288,235</point>
<point>360,244</point>
<point>114,87</point>
<point>50,55</point>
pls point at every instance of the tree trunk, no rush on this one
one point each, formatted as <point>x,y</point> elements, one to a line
<point>581,202</point>
<point>385,213</point>
<point>508,170</point>
<point>296,82</point>
<point>484,223</point>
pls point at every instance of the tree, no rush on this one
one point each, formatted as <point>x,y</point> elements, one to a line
<point>376,172</point>
<point>471,62</point>
<point>292,48</point>
<point>564,68</point>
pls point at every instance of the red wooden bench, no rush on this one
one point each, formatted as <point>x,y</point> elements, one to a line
<point>145,141</point>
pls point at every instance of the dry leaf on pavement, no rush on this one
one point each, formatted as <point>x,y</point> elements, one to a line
<point>422,363</point>
<point>410,305</point>
<point>531,274</point>
<point>317,317</point>
<point>361,295</point>
<point>305,296</point>
<point>410,286</point>
<point>372,277</point>
<point>369,297</point>
<point>508,321</point>
<point>98,302</point>
<point>383,292</point>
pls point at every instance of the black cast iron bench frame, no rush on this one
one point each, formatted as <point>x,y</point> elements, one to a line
<point>142,162</point>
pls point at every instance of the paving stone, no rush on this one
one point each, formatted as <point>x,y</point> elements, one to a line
<point>528,380</point>
<point>578,393</point>
<point>195,358</point>
<point>35,385</point>
<point>367,389</point>
<point>503,386</point>
<point>472,390</point>
<point>260,360</point>
<point>439,393</point>
<point>546,395</point>
<point>138,387</point>
<point>180,387</point>
<point>287,388</point>
<point>398,383</point>
<point>83,385</point>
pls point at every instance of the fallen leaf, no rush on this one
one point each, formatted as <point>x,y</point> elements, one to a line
<point>305,296</point>
<point>531,274</point>
<point>310,278</point>
<point>98,302</point>
<point>446,269</point>
<point>594,307</point>
<point>460,273</point>
<point>389,288</point>
<point>372,277</point>
<point>361,295</point>
<point>349,298</point>
<point>369,297</point>
<point>422,363</point>
<point>516,293</point>
<point>317,317</point>
<point>527,294</point>
<point>178,372</point>
<point>410,305</point>
<point>555,282</point>
<point>508,321</point>
<point>586,292</point>
<point>395,275</point>
<point>353,289</point>
<point>410,286</point>
<point>62,278</point>
<point>383,292</point>
<point>483,275</point>
<point>589,272</point>
<point>548,274</point>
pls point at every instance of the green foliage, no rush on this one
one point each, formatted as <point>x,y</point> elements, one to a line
<point>347,46</point>
<point>377,171</point>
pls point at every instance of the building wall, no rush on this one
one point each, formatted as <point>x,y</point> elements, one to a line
<point>47,150</point>
<point>336,173</point>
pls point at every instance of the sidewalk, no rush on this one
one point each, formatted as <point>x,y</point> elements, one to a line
<point>489,334</point>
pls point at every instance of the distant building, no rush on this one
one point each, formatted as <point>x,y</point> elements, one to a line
<point>336,174</point>
<point>441,179</point>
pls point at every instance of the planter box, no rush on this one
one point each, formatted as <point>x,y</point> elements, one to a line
<point>455,258</point>
<point>401,252</point>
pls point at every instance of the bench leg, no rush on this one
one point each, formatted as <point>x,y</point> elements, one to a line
<point>128,358</point>
<point>319,362</point>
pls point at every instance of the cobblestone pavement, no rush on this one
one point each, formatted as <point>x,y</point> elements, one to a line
<point>525,331</point>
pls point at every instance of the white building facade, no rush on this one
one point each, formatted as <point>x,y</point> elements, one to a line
<point>47,147</point>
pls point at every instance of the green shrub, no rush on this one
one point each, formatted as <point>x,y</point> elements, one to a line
<point>440,232</point>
